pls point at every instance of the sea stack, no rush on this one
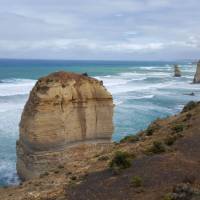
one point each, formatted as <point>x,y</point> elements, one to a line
<point>177,71</point>
<point>63,112</point>
<point>197,75</point>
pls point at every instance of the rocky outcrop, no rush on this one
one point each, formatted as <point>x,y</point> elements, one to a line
<point>64,110</point>
<point>177,71</point>
<point>197,75</point>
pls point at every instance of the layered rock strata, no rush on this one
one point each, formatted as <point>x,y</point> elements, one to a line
<point>65,111</point>
<point>197,75</point>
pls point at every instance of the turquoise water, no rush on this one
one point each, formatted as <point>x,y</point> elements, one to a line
<point>142,92</point>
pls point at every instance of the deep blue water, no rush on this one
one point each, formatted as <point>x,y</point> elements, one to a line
<point>142,92</point>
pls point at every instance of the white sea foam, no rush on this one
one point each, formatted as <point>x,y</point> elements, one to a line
<point>118,102</point>
<point>8,172</point>
<point>10,106</point>
<point>146,108</point>
<point>112,81</point>
<point>145,97</point>
<point>11,87</point>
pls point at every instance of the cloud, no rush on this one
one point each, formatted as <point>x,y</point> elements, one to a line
<point>113,28</point>
<point>67,44</point>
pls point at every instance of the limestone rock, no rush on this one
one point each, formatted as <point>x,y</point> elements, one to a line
<point>197,75</point>
<point>177,71</point>
<point>63,111</point>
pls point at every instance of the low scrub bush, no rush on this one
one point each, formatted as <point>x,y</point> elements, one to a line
<point>152,128</point>
<point>157,147</point>
<point>130,138</point>
<point>103,158</point>
<point>178,128</point>
<point>136,181</point>
<point>121,160</point>
<point>150,131</point>
<point>170,140</point>
<point>168,197</point>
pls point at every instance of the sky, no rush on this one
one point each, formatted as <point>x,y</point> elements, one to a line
<point>100,29</point>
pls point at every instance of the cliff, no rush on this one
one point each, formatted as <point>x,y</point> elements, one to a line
<point>197,75</point>
<point>64,110</point>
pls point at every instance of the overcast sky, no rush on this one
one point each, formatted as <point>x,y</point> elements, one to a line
<point>100,29</point>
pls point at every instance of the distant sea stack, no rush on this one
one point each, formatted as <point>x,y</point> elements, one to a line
<point>64,110</point>
<point>177,71</point>
<point>197,75</point>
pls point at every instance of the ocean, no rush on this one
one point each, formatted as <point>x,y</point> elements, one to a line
<point>142,92</point>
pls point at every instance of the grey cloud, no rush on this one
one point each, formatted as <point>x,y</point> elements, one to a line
<point>111,29</point>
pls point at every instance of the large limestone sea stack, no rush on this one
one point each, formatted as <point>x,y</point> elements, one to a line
<point>64,112</point>
<point>197,75</point>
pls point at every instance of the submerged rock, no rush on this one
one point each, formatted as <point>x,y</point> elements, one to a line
<point>197,75</point>
<point>63,110</point>
<point>177,71</point>
<point>191,94</point>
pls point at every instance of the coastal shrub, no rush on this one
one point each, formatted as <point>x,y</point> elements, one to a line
<point>121,160</point>
<point>136,181</point>
<point>191,105</point>
<point>157,147</point>
<point>130,138</point>
<point>170,140</point>
<point>103,158</point>
<point>152,128</point>
<point>168,197</point>
<point>178,128</point>
<point>149,131</point>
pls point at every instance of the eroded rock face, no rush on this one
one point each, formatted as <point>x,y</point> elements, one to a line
<point>63,110</point>
<point>197,75</point>
<point>177,71</point>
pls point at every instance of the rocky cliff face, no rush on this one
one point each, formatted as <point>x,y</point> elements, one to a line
<point>197,75</point>
<point>177,71</point>
<point>63,110</point>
